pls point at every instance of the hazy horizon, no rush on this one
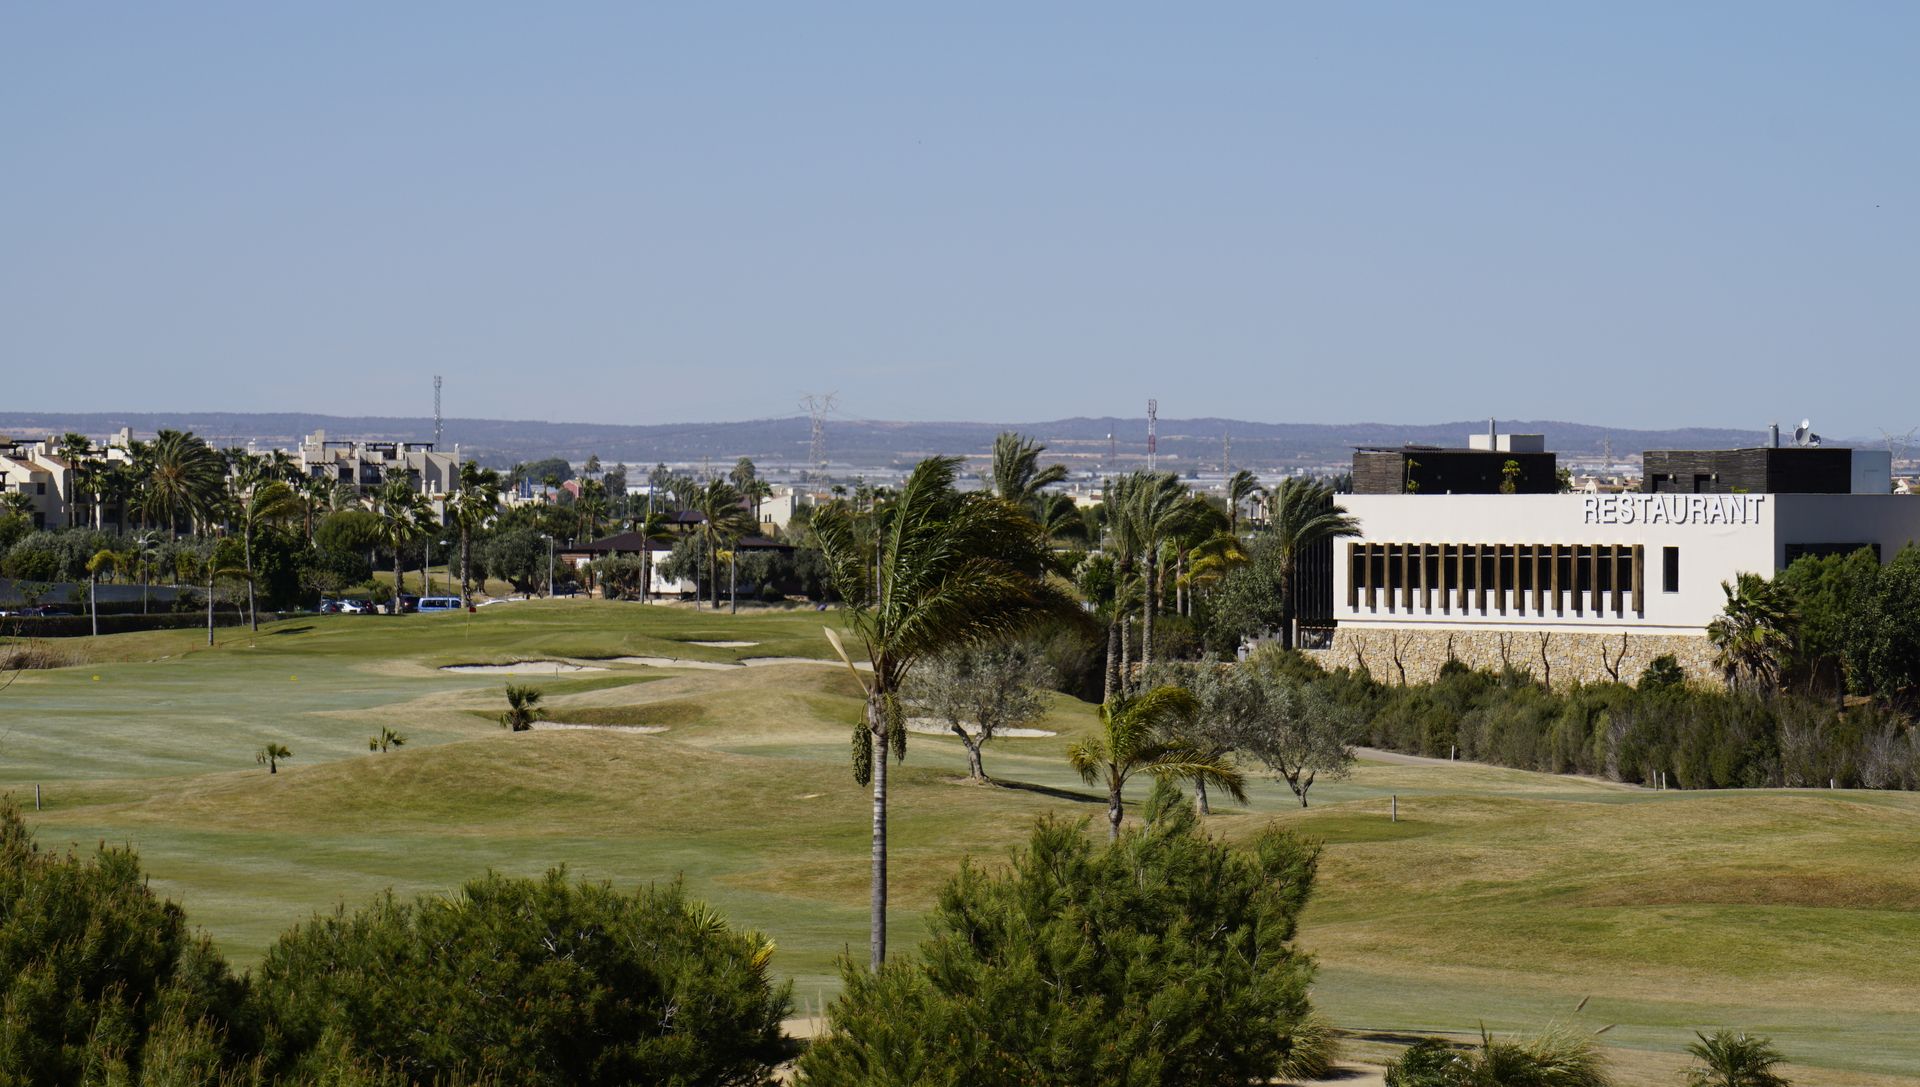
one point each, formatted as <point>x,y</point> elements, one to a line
<point>1662,217</point>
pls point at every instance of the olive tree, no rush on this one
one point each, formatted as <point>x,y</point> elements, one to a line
<point>1302,734</point>
<point>978,691</point>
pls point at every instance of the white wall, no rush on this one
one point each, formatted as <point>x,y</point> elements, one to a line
<point>1890,520</point>
<point>1718,536</point>
<point>1721,536</point>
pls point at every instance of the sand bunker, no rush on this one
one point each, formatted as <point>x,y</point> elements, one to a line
<point>761,662</point>
<point>725,645</point>
<point>554,726</point>
<point>521,668</point>
<point>928,726</point>
<point>676,662</point>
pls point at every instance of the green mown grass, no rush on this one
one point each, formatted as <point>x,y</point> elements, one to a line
<point>1500,897</point>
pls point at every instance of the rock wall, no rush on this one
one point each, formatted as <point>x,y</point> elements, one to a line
<point>1415,656</point>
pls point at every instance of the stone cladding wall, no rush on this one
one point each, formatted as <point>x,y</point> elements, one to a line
<point>1589,657</point>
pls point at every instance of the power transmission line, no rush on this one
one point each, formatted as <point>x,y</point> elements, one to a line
<point>817,406</point>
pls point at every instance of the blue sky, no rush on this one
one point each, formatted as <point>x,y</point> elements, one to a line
<point>1630,214</point>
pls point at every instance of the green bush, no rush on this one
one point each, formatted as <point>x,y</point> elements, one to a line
<point>1558,1058</point>
<point>1698,738</point>
<point>532,982</point>
<point>1164,958</point>
<point>97,976</point>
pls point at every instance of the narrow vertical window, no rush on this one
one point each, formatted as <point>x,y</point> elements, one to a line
<point>1670,569</point>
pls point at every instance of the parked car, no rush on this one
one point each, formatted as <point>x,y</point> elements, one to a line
<point>438,603</point>
<point>408,602</point>
<point>356,607</point>
<point>328,607</point>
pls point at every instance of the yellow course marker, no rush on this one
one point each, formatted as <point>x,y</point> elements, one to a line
<point>96,679</point>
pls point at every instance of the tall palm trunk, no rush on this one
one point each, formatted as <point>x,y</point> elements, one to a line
<point>1286,602</point>
<point>877,728</point>
<point>400,586</point>
<point>253,616</point>
<point>713,573</point>
<point>1147,608</point>
<point>1126,675</point>
<point>1115,812</point>
<point>466,565</point>
<point>1113,655</point>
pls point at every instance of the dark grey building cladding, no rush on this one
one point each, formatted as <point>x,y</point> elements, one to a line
<point>1433,470</point>
<point>1764,470</point>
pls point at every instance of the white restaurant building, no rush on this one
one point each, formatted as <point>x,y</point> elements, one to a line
<point>1588,586</point>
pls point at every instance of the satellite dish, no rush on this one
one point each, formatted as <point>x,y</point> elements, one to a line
<point>1802,432</point>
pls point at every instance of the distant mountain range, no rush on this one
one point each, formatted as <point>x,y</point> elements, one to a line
<point>1190,444</point>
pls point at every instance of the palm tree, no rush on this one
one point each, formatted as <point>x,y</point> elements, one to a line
<point>385,740</point>
<point>1561,1057</point>
<point>723,519</point>
<point>1123,544</point>
<point>109,482</point>
<point>1160,507</point>
<point>476,501</point>
<point>1243,487</point>
<point>1754,633</point>
<point>591,508</point>
<point>1214,558</point>
<point>404,514</point>
<point>928,570</point>
<point>102,560</point>
<point>264,504</point>
<point>1141,733</point>
<point>145,549</point>
<point>1060,519</point>
<point>745,478</point>
<point>186,480</point>
<point>651,525</point>
<point>1728,1059</point>
<point>317,495</point>
<point>15,502</point>
<point>77,451</point>
<point>271,756</point>
<point>523,708</point>
<point>1301,515</point>
<point>1016,472</point>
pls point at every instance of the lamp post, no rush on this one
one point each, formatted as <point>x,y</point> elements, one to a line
<point>446,546</point>
<point>549,538</point>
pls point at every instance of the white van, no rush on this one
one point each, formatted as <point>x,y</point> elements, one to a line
<point>439,603</point>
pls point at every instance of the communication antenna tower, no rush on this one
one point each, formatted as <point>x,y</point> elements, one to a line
<point>437,428</point>
<point>818,405</point>
<point>1153,441</point>
<point>1226,454</point>
<point>1113,454</point>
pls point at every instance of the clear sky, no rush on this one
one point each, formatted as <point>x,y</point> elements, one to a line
<point>1629,214</point>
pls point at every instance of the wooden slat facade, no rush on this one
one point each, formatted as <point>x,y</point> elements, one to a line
<point>1597,580</point>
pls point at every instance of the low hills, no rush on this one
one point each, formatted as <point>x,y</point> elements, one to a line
<point>1193,444</point>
